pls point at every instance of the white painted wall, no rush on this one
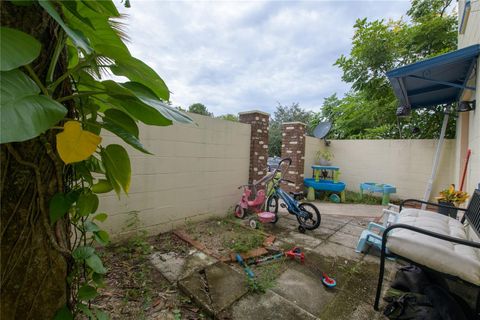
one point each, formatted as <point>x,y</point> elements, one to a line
<point>471,37</point>
<point>406,164</point>
<point>193,174</point>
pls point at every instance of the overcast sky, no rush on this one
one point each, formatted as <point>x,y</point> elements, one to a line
<point>238,56</point>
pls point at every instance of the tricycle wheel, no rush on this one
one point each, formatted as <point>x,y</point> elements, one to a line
<point>239,212</point>
<point>253,223</point>
<point>301,229</point>
<point>272,206</point>
<point>312,216</point>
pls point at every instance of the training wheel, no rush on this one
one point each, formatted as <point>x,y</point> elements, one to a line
<point>301,229</point>
<point>253,224</point>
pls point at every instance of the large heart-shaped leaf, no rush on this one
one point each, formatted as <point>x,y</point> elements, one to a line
<point>58,207</point>
<point>138,71</point>
<point>25,113</point>
<point>148,97</point>
<point>75,144</point>
<point>87,293</point>
<point>77,37</point>
<point>121,120</point>
<point>17,48</point>
<point>82,252</point>
<point>125,136</point>
<point>117,164</point>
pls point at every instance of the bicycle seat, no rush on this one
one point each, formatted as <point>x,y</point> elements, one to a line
<point>297,195</point>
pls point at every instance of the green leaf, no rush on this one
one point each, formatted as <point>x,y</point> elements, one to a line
<point>63,314</point>
<point>106,8</point>
<point>82,253</point>
<point>102,186</point>
<point>117,163</point>
<point>25,114</point>
<point>91,226</point>
<point>98,279</point>
<point>148,97</point>
<point>96,264</point>
<point>17,49</point>
<point>101,315</point>
<point>86,293</point>
<point>121,120</point>
<point>102,237</point>
<point>85,310</point>
<point>87,203</point>
<point>59,205</point>
<point>125,136</point>
<point>100,217</point>
<point>136,70</point>
<point>71,6</point>
<point>104,39</point>
<point>77,37</point>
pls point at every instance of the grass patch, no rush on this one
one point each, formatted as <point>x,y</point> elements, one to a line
<point>265,276</point>
<point>245,241</point>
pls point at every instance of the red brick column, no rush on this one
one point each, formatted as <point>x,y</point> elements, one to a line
<point>258,121</point>
<point>293,146</point>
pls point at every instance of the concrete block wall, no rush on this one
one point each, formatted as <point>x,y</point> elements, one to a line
<point>406,164</point>
<point>293,146</point>
<point>193,174</point>
<point>258,122</point>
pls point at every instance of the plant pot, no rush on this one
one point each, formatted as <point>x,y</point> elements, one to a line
<point>324,162</point>
<point>451,212</point>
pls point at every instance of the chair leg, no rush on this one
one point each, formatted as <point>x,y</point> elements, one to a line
<point>381,273</point>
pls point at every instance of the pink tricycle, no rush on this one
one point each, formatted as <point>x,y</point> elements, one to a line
<point>257,204</point>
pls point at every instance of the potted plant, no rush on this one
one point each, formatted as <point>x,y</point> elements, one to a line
<point>324,157</point>
<point>452,198</point>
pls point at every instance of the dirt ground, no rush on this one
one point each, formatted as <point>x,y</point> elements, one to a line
<point>134,289</point>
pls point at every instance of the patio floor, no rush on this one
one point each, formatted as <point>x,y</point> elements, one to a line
<point>297,292</point>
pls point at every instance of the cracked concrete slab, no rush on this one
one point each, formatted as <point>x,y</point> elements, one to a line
<point>174,266</point>
<point>215,287</point>
<point>304,290</point>
<point>268,306</point>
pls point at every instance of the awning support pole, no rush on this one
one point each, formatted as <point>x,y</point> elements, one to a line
<point>436,159</point>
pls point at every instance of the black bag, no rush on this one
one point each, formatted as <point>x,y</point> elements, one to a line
<point>413,296</point>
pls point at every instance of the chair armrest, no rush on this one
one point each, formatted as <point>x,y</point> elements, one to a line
<point>386,216</point>
<point>426,202</point>
<point>373,225</point>
<point>393,206</point>
<point>428,233</point>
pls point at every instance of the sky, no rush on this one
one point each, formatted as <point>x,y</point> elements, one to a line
<point>236,56</point>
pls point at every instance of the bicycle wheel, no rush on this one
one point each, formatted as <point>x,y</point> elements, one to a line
<point>272,206</point>
<point>312,221</point>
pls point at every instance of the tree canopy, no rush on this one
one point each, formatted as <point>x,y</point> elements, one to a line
<point>368,110</point>
<point>200,108</point>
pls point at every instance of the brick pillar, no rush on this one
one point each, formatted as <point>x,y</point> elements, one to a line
<point>293,146</point>
<point>258,121</point>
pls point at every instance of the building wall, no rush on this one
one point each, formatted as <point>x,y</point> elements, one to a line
<point>470,123</point>
<point>193,174</point>
<point>406,164</point>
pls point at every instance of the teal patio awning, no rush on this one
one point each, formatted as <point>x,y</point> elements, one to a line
<point>436,81</point>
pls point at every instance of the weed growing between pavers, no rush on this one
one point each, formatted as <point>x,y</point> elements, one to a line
<point>265,276</point>
<point>134,289</point>
<point>224,235</point>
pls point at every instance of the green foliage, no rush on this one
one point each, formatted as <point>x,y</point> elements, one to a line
<point>246,241</point>
<point>91,35</point>
<point>200,108</point>
<point>228,117</point>
<point>368,111</point>
<point>281,115</point>
<point>17,49</point>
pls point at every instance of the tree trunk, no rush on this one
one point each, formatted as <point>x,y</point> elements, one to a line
<point>33,270</point>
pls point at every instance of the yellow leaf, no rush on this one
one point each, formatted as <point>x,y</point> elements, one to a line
<point>74,144</point>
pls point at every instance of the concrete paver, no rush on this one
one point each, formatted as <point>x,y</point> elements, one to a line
<point>268,306</point>
<point>304,290</point>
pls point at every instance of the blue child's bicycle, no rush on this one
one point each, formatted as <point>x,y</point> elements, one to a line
<point>307,214</point>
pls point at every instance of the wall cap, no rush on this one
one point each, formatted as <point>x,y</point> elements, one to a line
<point>254,111</point>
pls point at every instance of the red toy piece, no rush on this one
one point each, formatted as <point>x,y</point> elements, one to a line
<point>295,253</point>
